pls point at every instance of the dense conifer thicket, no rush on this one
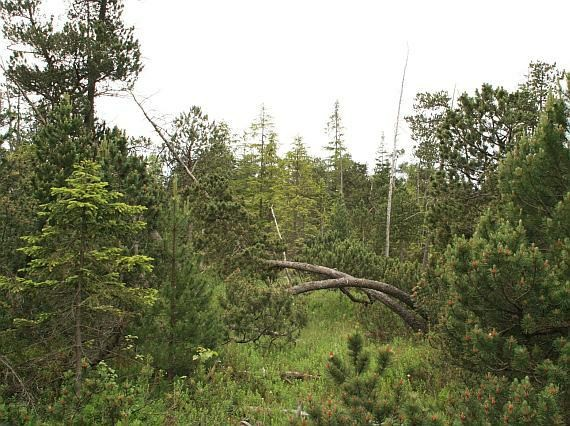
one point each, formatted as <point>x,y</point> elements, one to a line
<point>144,284</point>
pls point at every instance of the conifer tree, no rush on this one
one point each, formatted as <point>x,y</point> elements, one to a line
<point>300,197</point>
<point>185,316</point>
<point>194,136</point>
<point>18,206</point>
<point>429,112</point>
<point>92,54</point>
<point>473,138</point>
<point>58,146</point>
<point>508,310</point>
<point>336,147</point>
<point>543,79</point>
<point>264,150</point>
<point>76,276</point>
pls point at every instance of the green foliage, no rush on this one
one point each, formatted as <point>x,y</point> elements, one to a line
<point>135,176</point>
<point>93,53</point>
<point>18,206</point>
<point>460,146</point>
<point>543,80</point>
<point>496,400</point>
<point>507,310</point>
<point>73,294</point>
<point>224,232</point>
<point>535,177</point>
<point>300,198</point>
<point>259,169</point>
<point>106,400</point>
<point>356,258</point>
<point>202,145</point>
<point>58,146</point>
<point>370,394</point>
<point>336,147</point>
<point>497,297</point>
<point>262,312</point>
<point>186,315</point>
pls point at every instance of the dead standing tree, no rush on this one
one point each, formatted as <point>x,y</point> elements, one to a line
<point>395,299</point>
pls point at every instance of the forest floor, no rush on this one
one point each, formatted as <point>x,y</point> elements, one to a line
<point>264,397</point>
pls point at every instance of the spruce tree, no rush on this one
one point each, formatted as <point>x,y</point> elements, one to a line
<point>59,145</point>
<point>336,147</point>
<point>300,196</point>
<point>76,276</point>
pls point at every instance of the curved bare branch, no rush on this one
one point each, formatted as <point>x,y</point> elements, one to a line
<point>410,317</point>
<point>165,139</point>
<point>398,301</point>
<point>341,280</point>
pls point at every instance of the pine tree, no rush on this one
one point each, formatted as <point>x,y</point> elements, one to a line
<point>58,146</point>
<point>543,79</point>
<point>18,205</point>
<point>136,176</point>
<point>363,398</point>
<point>535,177</point>
<point>194,135</point>
<point>508,310</point>
<point>429,112</point>
<point>185,316</point>
<point>92,54</point>
<point>473,137</point>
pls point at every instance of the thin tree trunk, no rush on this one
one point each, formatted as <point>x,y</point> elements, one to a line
<point>280,238</point>
<point>92,75</point>
<point>341,177</point>
<point>173,284</point>
<point>76,309</point>
<point>164,138</point>
<point>25,392</point>
<point>425,257</point>
<point>262,163</point>
<point>77,346</point>
<point>18,122</point>
<point>393,167</point>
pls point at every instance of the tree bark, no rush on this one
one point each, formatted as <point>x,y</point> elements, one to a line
<point>166,141</point>
<point>343,280</point>
<point>92,74</point>
<point>173,295</point>
<point>398,301</point>
<point>77,339</point>
<point>393,166</point>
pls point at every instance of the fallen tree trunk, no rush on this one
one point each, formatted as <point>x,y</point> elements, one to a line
<point>397,300</point>
<point>289,376</point>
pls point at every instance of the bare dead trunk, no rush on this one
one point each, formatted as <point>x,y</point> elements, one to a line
<point>165,139</point>
<point>173,283</point>
<point>393,167</point>
<point>395,299</point>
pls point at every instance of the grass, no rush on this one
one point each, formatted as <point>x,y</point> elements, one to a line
<point>331,320</point>
<point>247,385</point>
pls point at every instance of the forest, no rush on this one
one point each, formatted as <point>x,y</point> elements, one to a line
<point>209,277</point>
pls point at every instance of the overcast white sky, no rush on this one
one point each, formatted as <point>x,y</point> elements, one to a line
<point>298,56</point>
